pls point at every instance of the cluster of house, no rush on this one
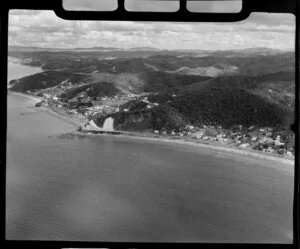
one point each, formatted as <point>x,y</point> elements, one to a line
<point>82,103</point>
<point>124,98</point>
<point>149,104</point>
<point>103,109</point>
<point>19,60</point>
<point>192,131</point>
<point>146,104</point>
<point>65,85</point>
<point>49,100</point>
<point>262,139</point>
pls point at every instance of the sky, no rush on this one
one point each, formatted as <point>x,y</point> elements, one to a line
<point>43,28</point>
<point>154,5</point>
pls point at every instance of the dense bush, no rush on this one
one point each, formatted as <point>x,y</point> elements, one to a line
<point>102,89</point>
<point>228,107</point>
<point>40,81</point>
<point>161,117</point>
<point>71,93</point>
<point>166,117</point>
<point>161,81</point>
<point>251,82</point>
<point>45,80</point>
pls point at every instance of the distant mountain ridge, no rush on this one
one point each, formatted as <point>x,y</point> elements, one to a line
<point>101,48</point>
<point>254,87</point>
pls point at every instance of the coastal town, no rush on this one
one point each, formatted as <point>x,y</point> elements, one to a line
<point>150,128</point>
<point>264,139</point>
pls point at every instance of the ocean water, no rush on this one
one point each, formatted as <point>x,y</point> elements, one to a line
<point>16,71</point>
<point>63,187</point>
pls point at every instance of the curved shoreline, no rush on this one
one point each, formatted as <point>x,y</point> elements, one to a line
<point>211,147</point>
<point>49,111</point>
<point>22,70</point>
<point>220,148</point>
<point>33,98</point>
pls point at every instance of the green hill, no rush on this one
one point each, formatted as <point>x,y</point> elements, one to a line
<point>161,81</point>
<point>229,107</point>
<point>45,80</point>
<point>211,106</point>
<point>160,117</point>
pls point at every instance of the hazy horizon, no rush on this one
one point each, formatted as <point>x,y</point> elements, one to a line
<point>41,28</point>
<point>158,49</point>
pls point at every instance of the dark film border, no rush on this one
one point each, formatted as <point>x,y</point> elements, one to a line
<point>120,14</point>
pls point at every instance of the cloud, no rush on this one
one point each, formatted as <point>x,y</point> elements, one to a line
<point>270,19</point>
<point>234,6</point>
<point>92,5</point>
<point>154,5</point>
<point>132,5</point>
<point>44,28</point>
<point>24,12</point>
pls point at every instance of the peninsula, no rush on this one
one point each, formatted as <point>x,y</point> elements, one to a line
<point>219,98</point>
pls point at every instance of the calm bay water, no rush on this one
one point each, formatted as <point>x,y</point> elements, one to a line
<point>116,189</point>
<point>16,71</point>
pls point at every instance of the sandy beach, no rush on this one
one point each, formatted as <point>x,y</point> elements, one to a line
<point>34,99</point>
<point>224,149</point>
<point>77,121</point>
